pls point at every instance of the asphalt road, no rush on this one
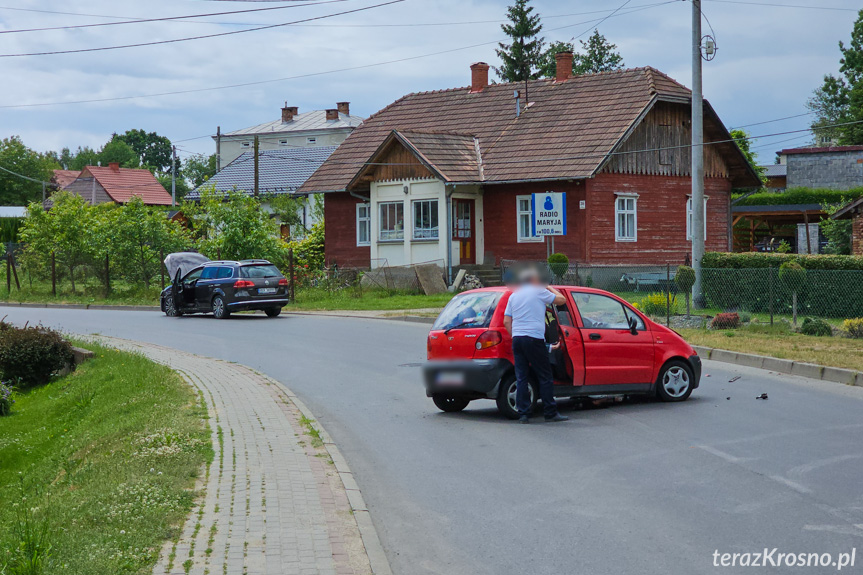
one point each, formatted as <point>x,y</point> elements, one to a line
<point>636,488</point>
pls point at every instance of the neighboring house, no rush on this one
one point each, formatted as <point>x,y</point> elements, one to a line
<point>279,172</point>
<point>776,175</point>
<point>63,178</point>
<point>293,130</point>
<point>854,212</point>
<point>101,184</point>
<point>836,167</point>
<point>446,176</point>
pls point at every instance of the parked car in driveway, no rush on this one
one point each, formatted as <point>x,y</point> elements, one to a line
<point>607,348</point>
<point>223,287</point>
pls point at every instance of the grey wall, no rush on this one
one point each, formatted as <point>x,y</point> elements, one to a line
<point>835,170</point>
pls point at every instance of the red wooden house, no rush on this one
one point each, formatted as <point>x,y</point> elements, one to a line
<point>446,176</point>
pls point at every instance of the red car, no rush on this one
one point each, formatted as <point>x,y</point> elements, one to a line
<point>607,347</point>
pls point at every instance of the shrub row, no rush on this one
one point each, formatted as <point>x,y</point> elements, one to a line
<point>750,260</point>
<point>795,196</point>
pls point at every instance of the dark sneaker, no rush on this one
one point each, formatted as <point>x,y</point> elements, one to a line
<point>557,417</point>
<point>523,419</point>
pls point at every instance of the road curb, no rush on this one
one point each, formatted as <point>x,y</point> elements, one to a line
<point>405,318</point>
<point>788,366</point>
<point>81,306</point>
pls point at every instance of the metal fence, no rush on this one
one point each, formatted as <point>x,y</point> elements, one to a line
<point>831,294</point>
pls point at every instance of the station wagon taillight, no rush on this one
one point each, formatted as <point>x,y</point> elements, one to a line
<point>243,284</point>
<point>283,282</point>
<point>488,339</point>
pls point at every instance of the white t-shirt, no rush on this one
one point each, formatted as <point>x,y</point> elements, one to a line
<point>526,307</point>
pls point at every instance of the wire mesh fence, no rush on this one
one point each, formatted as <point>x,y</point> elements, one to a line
<point>829,294</point>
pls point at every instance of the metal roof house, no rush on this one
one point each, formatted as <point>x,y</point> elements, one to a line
<point>318,128</point>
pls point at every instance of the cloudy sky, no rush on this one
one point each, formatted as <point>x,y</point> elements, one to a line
<point>770,59</point>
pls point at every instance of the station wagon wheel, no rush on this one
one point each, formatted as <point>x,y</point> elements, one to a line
<point>448,403</point>
<point>220,310</point>
<point>170,308</point>
<point>506,402</point>
<point>675,381</point>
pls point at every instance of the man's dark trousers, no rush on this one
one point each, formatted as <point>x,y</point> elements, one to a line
<point>531,354</point>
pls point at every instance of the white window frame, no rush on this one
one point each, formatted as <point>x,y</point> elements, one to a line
<point>312,140</point>
<point>367,220</point>
<point>398,235</point>
<point>283,142</point>
<point>618,236</point>
<point>519,213</point>
<point>689,217</point>
<point>246,144</point>
<point>416,225</point>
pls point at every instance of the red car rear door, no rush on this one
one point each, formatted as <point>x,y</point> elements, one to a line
<point>612,353</point>
<point>572,340</point>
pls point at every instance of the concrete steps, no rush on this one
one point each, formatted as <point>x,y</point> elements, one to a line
<point>488,275</point>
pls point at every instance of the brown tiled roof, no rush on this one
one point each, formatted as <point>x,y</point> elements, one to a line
<point>454,156</point>
<point>566,131</point>
<point>124,183</point>
<point>63,178</point>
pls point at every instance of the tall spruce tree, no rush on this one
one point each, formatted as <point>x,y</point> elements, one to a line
<point>840,99</point>
<point>521,59</point>
<point>597,54</point>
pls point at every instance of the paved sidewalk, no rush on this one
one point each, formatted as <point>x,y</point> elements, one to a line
<point>274,499</point>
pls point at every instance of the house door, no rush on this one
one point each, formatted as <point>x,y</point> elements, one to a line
<point>463,229</point>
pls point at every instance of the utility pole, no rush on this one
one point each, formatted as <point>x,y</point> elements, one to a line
<point>697,156</point>
<point>218,148</point>
<point>257,143</point>
<point>173,176</point>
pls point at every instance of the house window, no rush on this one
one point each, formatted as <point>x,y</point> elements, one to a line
<point>392,221</point>
<point>425,220</point>
<point>626,218</point>
<point>311,140</point>
<point>524,220</point>
<point>283,142</point>
<point>689,217</point>
<point>246,144</point>
<point>364,225</point>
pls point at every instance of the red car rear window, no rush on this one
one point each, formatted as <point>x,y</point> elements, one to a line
<point>469,310</point>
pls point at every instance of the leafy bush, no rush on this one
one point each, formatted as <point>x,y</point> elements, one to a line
<point>30,356</point>
<point>745,316</point>
<point>816,327</point>
<point>725,321</point>
<point>558,264</point>
<point>793,275</point>
<point>656,304</point>
<point>853,327</point>
<point>717,260</point>
<point>6,400</point>
<point>796,196</point>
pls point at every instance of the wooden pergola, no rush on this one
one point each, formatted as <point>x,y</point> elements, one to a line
<point>764,220</point>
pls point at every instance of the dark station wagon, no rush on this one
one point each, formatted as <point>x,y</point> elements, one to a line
<point>223,287</point>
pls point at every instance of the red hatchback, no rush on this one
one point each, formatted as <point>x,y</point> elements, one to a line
<point>607,347</point>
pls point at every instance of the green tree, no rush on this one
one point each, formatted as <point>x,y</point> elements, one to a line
<point>744,142</point>
<point>16,157</point>
<point>65,230</point>
<point>234,226</point>
<point>139,236</point>
<point>685,279</point>
<point>153,150</point>
<point>120,152</point>
<point>837,232</point>
<point>840,99</point>
<point>199,168</point>
<point>521,59</point>
<point>80,159</point>
<point>597,55</point>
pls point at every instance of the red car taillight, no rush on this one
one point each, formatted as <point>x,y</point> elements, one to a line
<point>489,339</point>
<point>243,284</point>
<point>283,282</point>
<point>428,344</point>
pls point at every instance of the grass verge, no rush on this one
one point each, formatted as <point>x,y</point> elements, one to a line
<point>780,342</point>
<point>105,460</point>
<point>320,299</point>
<point>86,293</point>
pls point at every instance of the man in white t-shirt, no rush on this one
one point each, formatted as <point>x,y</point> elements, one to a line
<point>524,319</point>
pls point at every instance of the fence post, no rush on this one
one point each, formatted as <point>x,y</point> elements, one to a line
<point>107,276</point>
<point>291,274</point>
<point>162,267</point>
<point>53,274</point>
<point>9,272</point>
<point>668,294</point>
<point>770,290</point>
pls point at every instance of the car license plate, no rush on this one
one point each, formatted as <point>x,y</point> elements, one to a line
<point>266,290</point>
<point>450,378</point>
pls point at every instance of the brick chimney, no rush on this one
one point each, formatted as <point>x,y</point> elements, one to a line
<point>114,166</point>
<point>564,66</point>
<point>478,77</point>
<point>332,114</point>
<point>344,108</point>
<point>288,113</point>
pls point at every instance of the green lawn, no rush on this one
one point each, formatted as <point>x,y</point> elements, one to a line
<point>105,460</point>
<point>90,292</point>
